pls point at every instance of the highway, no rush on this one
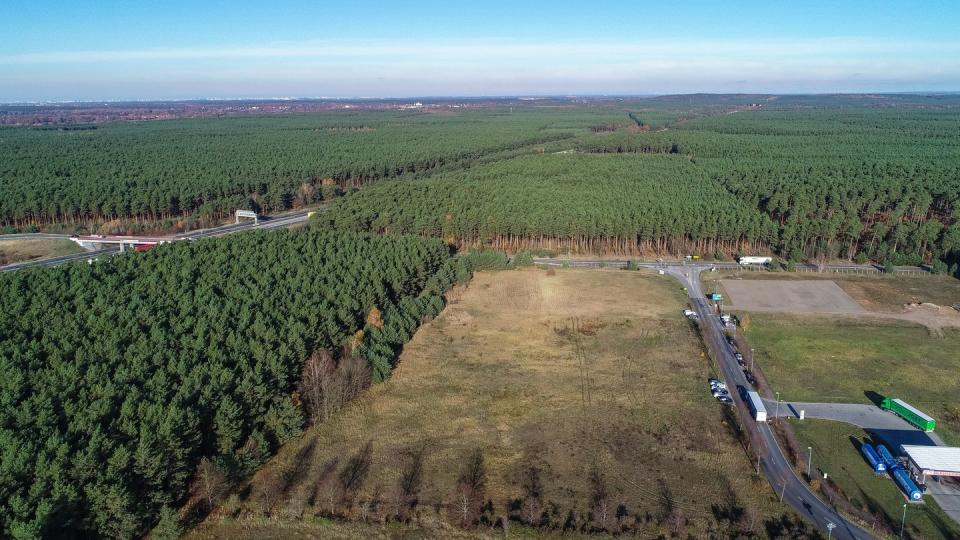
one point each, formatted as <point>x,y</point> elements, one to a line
<point>281,220</point>
<point>781,476</point>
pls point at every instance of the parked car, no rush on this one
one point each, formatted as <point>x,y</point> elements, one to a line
<point>725,399</point>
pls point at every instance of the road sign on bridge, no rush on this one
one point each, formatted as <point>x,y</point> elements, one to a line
<point>249,214</point>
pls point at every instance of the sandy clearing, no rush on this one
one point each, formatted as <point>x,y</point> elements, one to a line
<point>792,296</point>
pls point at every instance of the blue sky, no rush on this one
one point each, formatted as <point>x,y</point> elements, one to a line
<point>107,50</point>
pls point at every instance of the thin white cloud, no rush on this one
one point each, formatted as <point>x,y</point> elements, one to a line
<point>786,48</point>
<point>484,67</point>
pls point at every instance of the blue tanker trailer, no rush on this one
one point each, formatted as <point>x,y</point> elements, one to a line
<point>888,459</point>
<point>873,458</point>
<point>907,485</point>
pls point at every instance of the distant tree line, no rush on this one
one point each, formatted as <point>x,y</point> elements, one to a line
<point>863,184</point>
<point>209,167</point>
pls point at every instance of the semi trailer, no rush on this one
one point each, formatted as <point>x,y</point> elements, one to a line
<point>755,260</point>
<point>756,407</point>
<point>873,458</point>
<point>906,484</point>
<point>909,413</point>
<point>888,459</point>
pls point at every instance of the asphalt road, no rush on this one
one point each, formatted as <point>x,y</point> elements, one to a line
<point>56,261</point>
<point>282,220</point>
<point>783,479</point>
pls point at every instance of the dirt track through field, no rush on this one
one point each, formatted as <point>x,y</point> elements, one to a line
<point>791,296</point>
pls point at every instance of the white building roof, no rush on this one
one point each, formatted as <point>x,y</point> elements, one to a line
<point>933,458</point>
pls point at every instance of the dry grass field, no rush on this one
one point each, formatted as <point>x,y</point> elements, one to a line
<point>12,251</point>
<point>583,390</point>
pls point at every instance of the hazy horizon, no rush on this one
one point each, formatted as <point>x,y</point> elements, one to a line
<point>60,52</point>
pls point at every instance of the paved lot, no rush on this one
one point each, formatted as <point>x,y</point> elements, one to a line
<point>885,426</point>
<point>794,296</point>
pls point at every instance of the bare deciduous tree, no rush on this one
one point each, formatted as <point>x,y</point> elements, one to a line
<point>319,368</point>
<point>328,494</point>
<point>604,506</point>
<point>327,385</point>
<point>677,522</point>
<point>531,511</point>
<point>467,499</point>
<point>749,520</point>
<point>211,483</point>
<point>270,491</point>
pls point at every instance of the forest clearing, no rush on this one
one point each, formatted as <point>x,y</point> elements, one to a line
<point>584,393</point>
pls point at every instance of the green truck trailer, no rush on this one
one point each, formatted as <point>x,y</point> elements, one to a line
<point>909,413</point>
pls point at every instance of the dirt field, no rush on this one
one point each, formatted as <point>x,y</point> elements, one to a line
<point>794,296</point>
<point>582,390</point>
<point>12,251</point>
<point>924,300</point>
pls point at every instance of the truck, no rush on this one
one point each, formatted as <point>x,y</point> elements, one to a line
<point>909,413</point>
<point>756,406</point>
<point>873,458</point>
<point>755,260</point>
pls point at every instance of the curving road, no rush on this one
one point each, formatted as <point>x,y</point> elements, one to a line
<point>281,220</point>
<point>783,479</point>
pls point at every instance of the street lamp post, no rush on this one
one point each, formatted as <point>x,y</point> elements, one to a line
<point>752,357</point>
<point>809,459</point>
<point>830,527</point>
<point>903,520</point>
<point>778,406</point>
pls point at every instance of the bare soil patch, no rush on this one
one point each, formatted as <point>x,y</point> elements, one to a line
<point>791,296</point>
<point>924,300</point>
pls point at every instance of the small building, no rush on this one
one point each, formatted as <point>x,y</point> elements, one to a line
<point>927,461</point>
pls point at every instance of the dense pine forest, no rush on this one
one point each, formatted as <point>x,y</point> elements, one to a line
<point>209,167</point>
<point>852,183</point>
<point>583,203</point>
<point>119,378</point>
<point>803,177</point>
